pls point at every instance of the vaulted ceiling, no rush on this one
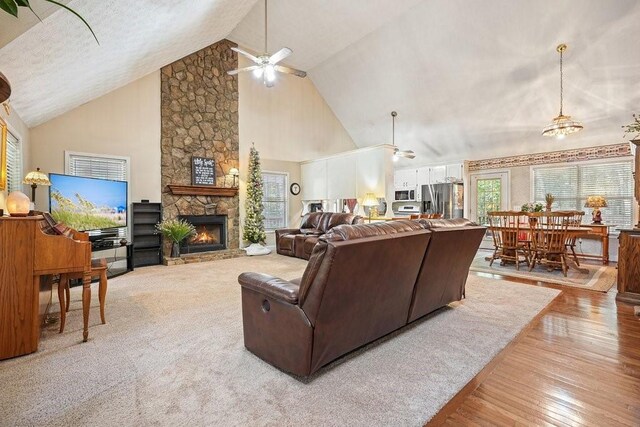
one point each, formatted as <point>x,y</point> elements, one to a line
<point>469,79</point>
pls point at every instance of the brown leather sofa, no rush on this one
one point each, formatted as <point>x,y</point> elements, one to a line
<point>299,242</point>
<point>361,283</point>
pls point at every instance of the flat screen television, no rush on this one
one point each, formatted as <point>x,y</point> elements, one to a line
<point>86,204</point>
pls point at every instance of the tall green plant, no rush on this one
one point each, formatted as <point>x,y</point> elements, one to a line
<point>11,7</point>
<point>254,218</point>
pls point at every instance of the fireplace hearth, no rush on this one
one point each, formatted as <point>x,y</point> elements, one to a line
<point>211,234</point>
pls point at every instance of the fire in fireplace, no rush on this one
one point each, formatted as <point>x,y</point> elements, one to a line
<point>211,233</point>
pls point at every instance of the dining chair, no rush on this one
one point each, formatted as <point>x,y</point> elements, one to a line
<point>549,239</point>
<point>508,229</point>
<point>574,220</point>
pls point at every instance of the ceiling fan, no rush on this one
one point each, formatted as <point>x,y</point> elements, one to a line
<point>397,153</point>
<point>267,65</point>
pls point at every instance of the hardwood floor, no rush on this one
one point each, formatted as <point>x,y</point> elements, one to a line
<point>577,363</point>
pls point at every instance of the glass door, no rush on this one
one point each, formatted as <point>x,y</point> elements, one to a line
<point>489,192</point>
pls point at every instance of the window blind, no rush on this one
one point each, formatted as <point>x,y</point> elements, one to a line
<point>571,185</point>
<point>274,200</point>
<point>97,167</point>
<point>14,163</point>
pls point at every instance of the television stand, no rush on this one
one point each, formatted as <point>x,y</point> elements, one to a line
<point>112,258</point>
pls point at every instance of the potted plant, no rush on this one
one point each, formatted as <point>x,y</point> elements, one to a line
<point>549,199</point>
<point>532,207</point>
<point>176,230</point>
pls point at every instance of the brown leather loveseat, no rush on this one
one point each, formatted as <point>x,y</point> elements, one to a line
<point>299,242</point>
<point>361,283</point>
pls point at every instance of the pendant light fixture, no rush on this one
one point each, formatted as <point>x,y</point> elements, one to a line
<point>562,125</point>
<point>397,153</point>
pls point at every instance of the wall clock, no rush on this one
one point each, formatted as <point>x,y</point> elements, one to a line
<point>295,188</point>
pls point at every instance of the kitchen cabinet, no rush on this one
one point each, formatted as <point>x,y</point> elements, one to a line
<point>314,180</point>
<point>405,179</point>
<point>422,177</point>
<point>455,172</point>
<point>437,175</point>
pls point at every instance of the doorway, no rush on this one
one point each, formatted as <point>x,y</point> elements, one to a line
<point>489,192</point>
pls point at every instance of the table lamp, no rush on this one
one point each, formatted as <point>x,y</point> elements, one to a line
<point>596,202</point>
<point>35,178</point>
<point>18,204</point>
<point>370,200</point>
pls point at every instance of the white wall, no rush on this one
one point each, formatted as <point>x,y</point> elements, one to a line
<point>18,128</point>
<point>125,122</point>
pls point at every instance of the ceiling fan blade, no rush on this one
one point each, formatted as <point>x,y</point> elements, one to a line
<point>239,70</point>
<point>408,154</point>
<point>247,54</point>
<point>289,70</point>
<point>280,55</point>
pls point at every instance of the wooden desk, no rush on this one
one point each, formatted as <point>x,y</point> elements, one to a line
<point>629,267</point>
<point>597,232</point>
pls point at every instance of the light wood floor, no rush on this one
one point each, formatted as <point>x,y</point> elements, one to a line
<point>577,363</point>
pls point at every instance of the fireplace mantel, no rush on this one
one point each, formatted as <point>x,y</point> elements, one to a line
<point>202,190</point>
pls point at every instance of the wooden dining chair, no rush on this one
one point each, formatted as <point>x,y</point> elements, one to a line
<point>510,241</point>
<point>549,239</point>
<point>574,220</point>
<point>98,271</point>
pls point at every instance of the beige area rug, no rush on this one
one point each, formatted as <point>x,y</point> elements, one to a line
<point>597,277</point>
<point>172,354</point>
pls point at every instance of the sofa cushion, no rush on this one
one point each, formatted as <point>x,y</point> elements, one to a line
<point>311,220</point>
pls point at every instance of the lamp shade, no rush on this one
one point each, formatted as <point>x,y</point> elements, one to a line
<point>234,172</point>
<point>370,199</point>
<point>18,204</point>
<point>595,202</point>
<point>36,178</point>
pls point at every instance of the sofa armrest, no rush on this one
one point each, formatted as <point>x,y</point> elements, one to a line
<point>284,231</point>
<point>270,286</point>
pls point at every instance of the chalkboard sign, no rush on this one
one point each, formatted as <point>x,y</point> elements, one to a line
<point>203,171</point>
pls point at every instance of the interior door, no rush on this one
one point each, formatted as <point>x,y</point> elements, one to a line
<point>489,192</point>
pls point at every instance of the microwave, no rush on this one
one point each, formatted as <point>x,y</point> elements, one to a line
<point>406,195</point>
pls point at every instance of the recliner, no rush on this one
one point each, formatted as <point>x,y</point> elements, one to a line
<point>299,242</point>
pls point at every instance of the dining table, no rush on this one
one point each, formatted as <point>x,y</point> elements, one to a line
<point>573,231</point>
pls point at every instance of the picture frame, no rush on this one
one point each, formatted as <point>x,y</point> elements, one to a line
<point>3,155</point>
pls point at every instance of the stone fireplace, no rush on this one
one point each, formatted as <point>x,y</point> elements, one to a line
<point>199,117</point>
<point>211,234</point>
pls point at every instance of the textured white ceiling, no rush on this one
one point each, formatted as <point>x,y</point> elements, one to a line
<point>469,79</point>
<point>56,65</point>
<point>476,79</point>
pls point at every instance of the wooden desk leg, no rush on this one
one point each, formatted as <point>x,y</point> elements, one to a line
<point>605,249</point>
<point>86,302</point>
<point>102,293</point>
<point>62,300</point>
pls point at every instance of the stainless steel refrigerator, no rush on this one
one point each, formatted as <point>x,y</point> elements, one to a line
<point>445,199</point>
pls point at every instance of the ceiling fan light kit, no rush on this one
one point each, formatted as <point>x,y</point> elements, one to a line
<point>562,125</point>
<point>267,65</point>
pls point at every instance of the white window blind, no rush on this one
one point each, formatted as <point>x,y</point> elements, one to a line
<point>97,166</point>
<point>571,185</point>
<point>14,163</point>
<point>274,200</point>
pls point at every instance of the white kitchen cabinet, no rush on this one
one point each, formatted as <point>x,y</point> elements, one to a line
<point>341,177</point>
<point>314,180</point>
<point>455,172</point>
<point>422,177</point>
<point>437,174</point>
<point>405,179</point>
